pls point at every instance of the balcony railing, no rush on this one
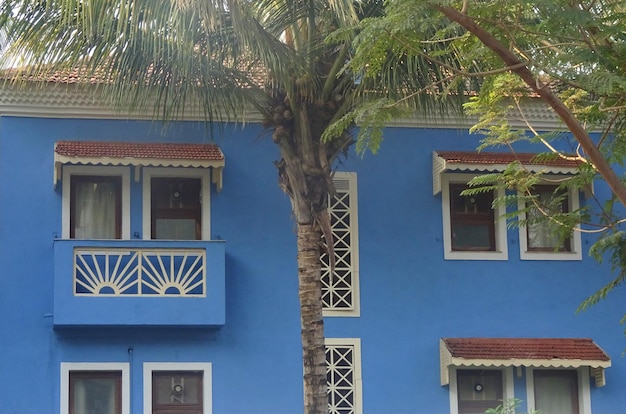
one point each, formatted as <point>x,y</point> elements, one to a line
<point>139,283</point>
<point>138,272</point>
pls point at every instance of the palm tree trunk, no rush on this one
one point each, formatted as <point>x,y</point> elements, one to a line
<point>312,323</point>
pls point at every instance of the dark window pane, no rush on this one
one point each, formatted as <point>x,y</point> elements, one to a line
<point>471,237</point>
<point>175,208</point>
<point>176,392</point>
<point>471,220</point>
<point>478,390</point>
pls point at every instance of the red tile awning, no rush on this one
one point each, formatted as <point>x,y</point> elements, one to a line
<point>527,352</point>
<point>488,162</point>
<point>139,154</point>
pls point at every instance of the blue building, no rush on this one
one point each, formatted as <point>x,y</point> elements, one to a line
<point>151,269</point>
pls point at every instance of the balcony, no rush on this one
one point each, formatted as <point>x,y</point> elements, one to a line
<point>129,283</point>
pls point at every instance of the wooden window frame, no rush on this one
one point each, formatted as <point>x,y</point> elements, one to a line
<point>181,408</point>
<point>477,405</point>
<point>115,180</point>
<point>175,213</point>
<point>478,218</point>
<point>167,172</point>
<point>205,368</point>
<point>500,234</point>
<point>508,389</point>
<point>574,242</point>
<point>115,375</point>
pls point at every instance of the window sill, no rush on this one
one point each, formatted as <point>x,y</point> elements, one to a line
<point>551,255</point>
<point>476,255</point>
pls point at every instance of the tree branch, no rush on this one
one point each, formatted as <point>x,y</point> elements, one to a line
<point>545,92</point>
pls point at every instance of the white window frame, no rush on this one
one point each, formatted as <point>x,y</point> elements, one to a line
<point>355,310</point>
<point>207,384</point>
<point>82,170</point>
<point>67,367</point>
<point>205,200</point>
<point>508,386</point>
<point>501,252</point>
<point>584,388</point>
<point>573,198</point>
<point>355,343</point>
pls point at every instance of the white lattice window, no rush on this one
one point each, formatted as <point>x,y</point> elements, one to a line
<point>340,289</point>
<point>343,375</point>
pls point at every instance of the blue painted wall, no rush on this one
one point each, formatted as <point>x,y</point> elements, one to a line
<point>410,297</point>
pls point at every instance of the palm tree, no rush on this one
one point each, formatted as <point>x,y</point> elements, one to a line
<point>225,58</point>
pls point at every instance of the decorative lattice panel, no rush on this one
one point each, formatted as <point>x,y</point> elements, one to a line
<point>339,287</point>
<point>139,272</point>
<point>341,377</point>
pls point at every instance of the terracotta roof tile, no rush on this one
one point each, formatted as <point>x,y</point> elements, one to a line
<point>470,157</point>
<point>525,348</point>
<point>91,149</point>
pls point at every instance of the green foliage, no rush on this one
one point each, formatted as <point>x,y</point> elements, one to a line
<point>612,246</point>
<point>575,49</point>
<point>510,406</point>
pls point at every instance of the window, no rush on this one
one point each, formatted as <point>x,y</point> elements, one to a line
<point>95,207</point>
<point>472,391</point>
<point>472,229</point>
<point>96,202</point>
<point>177,391</point>
<point>176,203</point>
<point>343,373</point>
<point>175,208</point>
<point>559,391</point>
<point>95,388</point>
<point>340,289</point>
<point>180,388</point>
<point>537,240</point>
<point>95,392</point>
<point>478,390</point>
<point>471,220</point>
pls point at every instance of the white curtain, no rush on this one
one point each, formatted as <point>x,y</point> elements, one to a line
<point>95,210</point>
<point>541,235</point>
<point>555,395</point>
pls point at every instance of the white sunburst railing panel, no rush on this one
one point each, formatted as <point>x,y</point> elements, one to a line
<point>139,272</point>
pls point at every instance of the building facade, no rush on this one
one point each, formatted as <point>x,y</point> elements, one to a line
<point>147,268</point>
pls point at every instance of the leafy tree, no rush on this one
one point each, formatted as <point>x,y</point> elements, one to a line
<point>225,58</point>
<point>570,54</point>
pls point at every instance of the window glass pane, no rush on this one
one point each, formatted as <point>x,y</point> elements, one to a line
<point>91,394</point>
<point>176,388</point>
<point>471,237</point>
<point>556,392</point>
<point>175,229</point>
<point>478,390</point>
<point>471,220</point>
<point>175,208</point>
<point>540,235</point>
<point>471,204</point>
<point>95,207</point>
